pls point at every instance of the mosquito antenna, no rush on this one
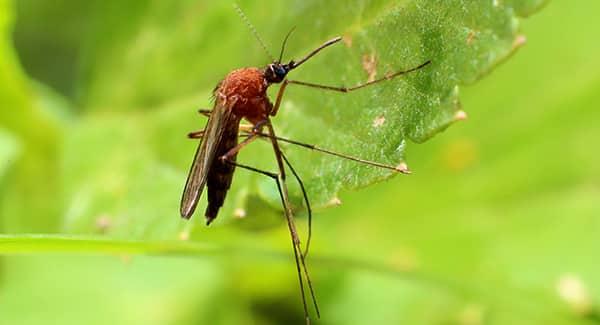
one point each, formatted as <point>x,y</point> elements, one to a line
<point>253,30</point>
<point>284,43</point>
<point>315,51</point>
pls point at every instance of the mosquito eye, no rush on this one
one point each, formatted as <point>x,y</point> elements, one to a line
<point>280,71</point>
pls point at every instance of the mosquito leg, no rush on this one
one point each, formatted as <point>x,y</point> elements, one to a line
<point>233,151</point>
<point>359,86</point>
<point>204,112</point>
<point>196,135</point>
<point>279,97</point>
<point>306,201</point>
<point>286,82</point>
<point>296,243</point>
<point>245,128</point>
<point>400,169</point>
<point>252,169</point>
<point>253,135</point>
<point>276,149</point>
<point>199,134</point>
<point>298,257</point>
<point>288,211</point>
<point>207,112</point>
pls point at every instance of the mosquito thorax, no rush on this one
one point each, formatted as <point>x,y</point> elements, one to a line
<point>246,88</point>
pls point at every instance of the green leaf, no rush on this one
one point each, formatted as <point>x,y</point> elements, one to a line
<point>158,59</point>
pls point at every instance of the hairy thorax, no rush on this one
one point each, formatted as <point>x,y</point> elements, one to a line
<point>245,89</point>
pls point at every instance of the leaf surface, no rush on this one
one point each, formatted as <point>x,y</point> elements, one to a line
<point>140,80</point>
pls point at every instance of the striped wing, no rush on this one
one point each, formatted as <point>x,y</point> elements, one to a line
<point>219,118</point>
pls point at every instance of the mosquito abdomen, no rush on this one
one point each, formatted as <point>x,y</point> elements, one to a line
<point>219,182</point>
<point>221,172</point>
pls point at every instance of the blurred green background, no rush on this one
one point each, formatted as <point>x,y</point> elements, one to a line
<point>499,224</point>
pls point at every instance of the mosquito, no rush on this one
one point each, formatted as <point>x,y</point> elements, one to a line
<point>242,94</point>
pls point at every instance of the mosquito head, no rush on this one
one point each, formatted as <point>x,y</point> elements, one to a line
<point>276,72</point>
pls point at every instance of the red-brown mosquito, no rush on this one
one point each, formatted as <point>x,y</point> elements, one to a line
<point>242,94</point>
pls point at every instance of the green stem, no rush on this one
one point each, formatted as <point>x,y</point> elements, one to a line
<point>44,243</point>
<point>28,244</point>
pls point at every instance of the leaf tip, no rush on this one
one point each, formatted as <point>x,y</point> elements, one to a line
<point>335,201</point>
<point>519,41</point>
<point>403,168</point>
<point>460,115</point>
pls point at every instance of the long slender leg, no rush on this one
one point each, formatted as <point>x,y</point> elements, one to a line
<point>254,134</point>
<point>199,134</point>
<point>338,89</point>
<point>400,168</point>
<point>359,86</point>
<point>207,112</point>
<point>295,241</point>
<point>250,138</point>
<point>306,201</point>
<point>239,146</point>
<point>297,249</point>
<point>288,210</point>
<point>204,112</point>
<point>280,92</point>
<point>271,135</point>
<point>299,258</point>
<point>196,134</point>
<point>252,169</point>
<point>246,129</point>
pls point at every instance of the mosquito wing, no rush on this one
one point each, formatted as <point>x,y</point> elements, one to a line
<point>219,118</point>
